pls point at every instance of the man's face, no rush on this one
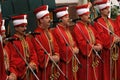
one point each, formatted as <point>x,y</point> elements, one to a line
<point>21,30</point>
<point>66,20</point>
<point>85,17</point>
<point>105,12</point>
<point>45,21</point>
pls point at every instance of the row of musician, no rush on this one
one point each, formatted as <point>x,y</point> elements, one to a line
<point>85,52</point>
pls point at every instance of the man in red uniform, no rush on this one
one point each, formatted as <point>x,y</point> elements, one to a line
<point>117,21</point>
<point>45,45</point>
<point>2,66</point>
<point>67,45</point>
<point>106,29</point>
<point>87,40</point>
<point>22,52</point>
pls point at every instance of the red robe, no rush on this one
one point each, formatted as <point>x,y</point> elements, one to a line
<point>6,57</point>
<point>17,64</point>
<point>87,57</point>
<point>2,66</point>
<point>117,21</point>
<point>45,64</point>
<point>67,63</point>
<point>107,41</point>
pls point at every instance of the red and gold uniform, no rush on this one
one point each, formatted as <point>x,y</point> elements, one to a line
<point>89,61</point>
<point>108,45</point>
<point>117,21</point>
<point>46,46</point>
<point>17,64</point>
<point>46,66</point>
<point>22,52</point>
<point>2,66</point>
<point>68,62</point>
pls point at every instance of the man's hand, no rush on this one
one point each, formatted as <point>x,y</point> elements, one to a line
<point>97,47</point>
<point>56,58</point>
<point>12,76</point>
<point>116,39</point>
<point>75,50</point>
<point>32,65</point>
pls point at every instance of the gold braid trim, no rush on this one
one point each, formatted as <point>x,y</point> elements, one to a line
<point>115,52</point>
<point>114,56</point>
<point>74,67</point>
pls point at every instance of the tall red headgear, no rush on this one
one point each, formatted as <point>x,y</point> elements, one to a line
<point>60,12</point>
<point>102,4</point>
<point>82,9</point>
<point>19,20</point>
<point>41,11</point>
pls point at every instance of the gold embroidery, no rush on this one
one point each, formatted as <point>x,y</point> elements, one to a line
<point>54,72</point>
<point>71,42</point>
<point>109,25</point>
<point>50,40</point>
<point>115,52</point>
<point>6,59</point>
<point>91,35</point>
<point>25,48</point>
<point>74,65</point>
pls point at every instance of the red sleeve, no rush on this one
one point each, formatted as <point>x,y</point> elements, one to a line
<point>83,45</point>
<point>56,47</point>
<point>63,47</point>
<point>33,56</point>
<point>2,67</point>
<point>40,53</point>
<point>97,36</point>
<point>12,60</point>
<point>104,35</point>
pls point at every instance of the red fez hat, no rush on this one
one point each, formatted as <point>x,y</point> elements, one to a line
<point>19,20</point>
<point>41,11</point>
<point>82,9</point>
<point>60,12</point>
<point>102,4</point>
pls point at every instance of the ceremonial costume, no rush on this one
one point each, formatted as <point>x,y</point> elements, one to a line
<point>46,47</point>
<point>67,45</point>
<point>117,21</point>
<point>86,38</point>
<point>2,66</point>
<point>22,51</point>
<point>106,29</point>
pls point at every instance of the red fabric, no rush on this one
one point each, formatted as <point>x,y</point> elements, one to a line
<point>65,53</point>
<point>107,40</point>
<point>43,59</point>
<point>2,66</point>
<point>85,49</point>
<point>17,64</point>
<point>117,21</point>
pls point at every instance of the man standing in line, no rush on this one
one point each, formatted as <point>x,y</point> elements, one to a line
<point>107,31</point>
<point>88,43</point>
<point>23,55</point>
<point>2,66</point>
<point>46,46</point>
<point>67,45</point>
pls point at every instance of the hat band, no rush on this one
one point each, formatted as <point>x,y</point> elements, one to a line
<point>61,14</point>
<point>41,14</point>
<point>82,11</point>
<point>18,22</point>
<point>102,6</point>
